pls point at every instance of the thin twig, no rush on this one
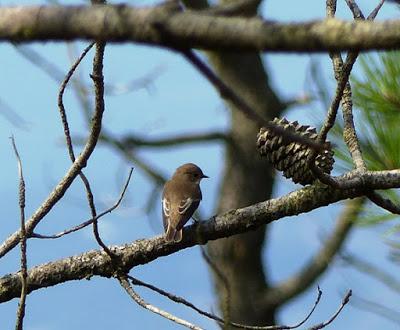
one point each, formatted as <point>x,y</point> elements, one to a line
<point>90,221</point>
<point>59,191</point>
<point>345,301</point>
<point>23,242</point>
<point>99,107</point>
<point>343,93</point>
<point>355,9</point>
<point>61,107</point>
<point>98,80</point>
<point>183,301</point>
<point>78,87</point>
<point>125,284</point>
<point>375,12</point>
<point>342,80</point>
<point>174,298</point>
<point>349,131</point>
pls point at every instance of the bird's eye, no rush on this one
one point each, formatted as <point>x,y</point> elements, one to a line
<point>196,175</point>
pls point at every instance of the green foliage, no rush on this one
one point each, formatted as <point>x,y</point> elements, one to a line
<point>376,97</point>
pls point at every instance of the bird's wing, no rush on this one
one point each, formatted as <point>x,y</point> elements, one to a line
<point>166,208</point>
<point>186,210</point>
<point>184,205</point>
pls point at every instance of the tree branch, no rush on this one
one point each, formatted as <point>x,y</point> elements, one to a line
<point>23,238</point>
<point>345,301</point>
<point>191,29</point>
<point>63,185</point>
<point>90,221</point>
<point>129,290</point>
<point>221,321</point>
<point>224,225</point>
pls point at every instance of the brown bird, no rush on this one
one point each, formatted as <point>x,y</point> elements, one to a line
<point>181,197</point>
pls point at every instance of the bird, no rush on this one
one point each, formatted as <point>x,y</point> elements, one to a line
<point>181,197</point>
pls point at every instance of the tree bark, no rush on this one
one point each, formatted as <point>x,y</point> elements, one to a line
<point>168,27</point>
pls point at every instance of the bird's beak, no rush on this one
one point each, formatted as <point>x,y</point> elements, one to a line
<point>204,176</point>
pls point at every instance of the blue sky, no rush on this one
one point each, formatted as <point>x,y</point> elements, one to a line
<point>178,101</point>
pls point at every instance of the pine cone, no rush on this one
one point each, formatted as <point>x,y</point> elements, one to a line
<point>291,157</point>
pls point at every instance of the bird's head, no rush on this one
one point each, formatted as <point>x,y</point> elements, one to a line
<point>190,172</point>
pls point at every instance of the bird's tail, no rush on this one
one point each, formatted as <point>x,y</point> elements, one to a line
<point>172,234</point>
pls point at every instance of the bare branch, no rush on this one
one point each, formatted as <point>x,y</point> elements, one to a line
<point>23,239</point>
<point>376,10</point>
<point>344,94</point>
<point>224,225</point>
<point>355,9</point>
<point>342,80</point>
<point>191,29</point>
<point>90,221</point>
<point>99,107</point>
<point>61,107</point>
<point>342,70</point>
<point>63,185</point>
<point>174,298</point>
<point>349,131</point>
<point>183,301</point>
<point>345,301</point>
<point>98,79</point>
<point>125,284</point>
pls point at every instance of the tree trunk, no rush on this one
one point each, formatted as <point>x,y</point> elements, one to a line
<point>247,180</point>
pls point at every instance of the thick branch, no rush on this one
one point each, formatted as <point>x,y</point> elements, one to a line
<point>227,224</point>
<point>191,29</point>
